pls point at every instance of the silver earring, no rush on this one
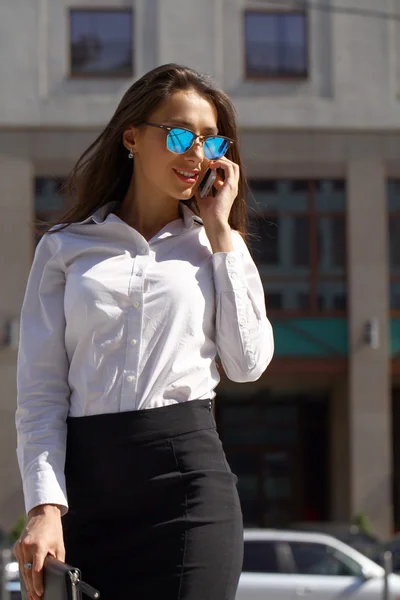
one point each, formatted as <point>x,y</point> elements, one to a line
<point>130,155</point>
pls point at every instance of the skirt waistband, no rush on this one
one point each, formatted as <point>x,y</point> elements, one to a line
<point>141,426</point>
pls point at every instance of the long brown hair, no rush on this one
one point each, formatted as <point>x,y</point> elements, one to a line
<point>103,172</point>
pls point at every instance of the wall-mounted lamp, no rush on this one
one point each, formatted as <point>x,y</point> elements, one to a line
<point>371,333</point>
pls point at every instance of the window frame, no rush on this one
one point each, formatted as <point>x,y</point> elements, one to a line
<point>278,76</point>
<point>48,216</point>
<point>99,75</point>
<point>335,552</point>
<point>314,278</point>
<point>276,549</point>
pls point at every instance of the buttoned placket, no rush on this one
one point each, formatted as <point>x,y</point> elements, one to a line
<point>129,399</point>
<point>129,392</point>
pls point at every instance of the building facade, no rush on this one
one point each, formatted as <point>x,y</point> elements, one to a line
<point>317,92</point>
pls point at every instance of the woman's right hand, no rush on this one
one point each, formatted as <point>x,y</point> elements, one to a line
<point>42,535</point>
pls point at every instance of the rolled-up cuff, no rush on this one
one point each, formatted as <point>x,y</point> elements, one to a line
<point>44,489</point>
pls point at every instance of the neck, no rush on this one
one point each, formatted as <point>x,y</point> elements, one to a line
<point>146,211</point>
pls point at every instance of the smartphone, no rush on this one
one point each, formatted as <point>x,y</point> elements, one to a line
<point>207,182</point>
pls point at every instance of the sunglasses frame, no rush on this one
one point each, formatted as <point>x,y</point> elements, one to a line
<point>202,138</point>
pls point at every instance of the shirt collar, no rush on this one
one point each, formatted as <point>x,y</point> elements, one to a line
<point>104,213</point>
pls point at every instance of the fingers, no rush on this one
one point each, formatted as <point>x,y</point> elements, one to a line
<point>24,573</point>
<point>25,553</point>
<point>37,572</point>
<point>218,183</point>
<point>230,168</point>
<point>231,175</point>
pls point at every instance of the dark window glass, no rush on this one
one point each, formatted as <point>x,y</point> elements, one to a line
<point>300,186</point>
<point>298,241</point>
<point>101,42</point>
<point>340,302</point>
<point>274,301</point>
<point>303,301</point>
<point>264,185</point>
<point>49,196</point>
<point>393,191</point>
<point>394,233</point>
<point>330,195</point>
<point>395,295</point>
<point>331,244</point>
<point>260,557</point>
<point>265,240</point>
<point>276,44</point>
<point>301,242</point>
<point>320,559</point>
<point>278,196</point>
<point>50,202</point>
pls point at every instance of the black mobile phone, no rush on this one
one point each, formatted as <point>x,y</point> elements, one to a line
<point>207,182</point>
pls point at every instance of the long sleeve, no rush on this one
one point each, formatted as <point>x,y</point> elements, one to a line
<point>42,381</point>
<point>244,334</point>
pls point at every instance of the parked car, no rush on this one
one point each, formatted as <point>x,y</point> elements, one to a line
<point>12,583</point>
<point>284,565</point>
<point>393,546</point>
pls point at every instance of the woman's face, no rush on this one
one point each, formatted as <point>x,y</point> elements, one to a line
<point>157,170</point>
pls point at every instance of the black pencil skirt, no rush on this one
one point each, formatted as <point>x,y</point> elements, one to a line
<point>154,511</point>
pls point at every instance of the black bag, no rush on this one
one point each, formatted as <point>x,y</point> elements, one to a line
<point>62,582</point>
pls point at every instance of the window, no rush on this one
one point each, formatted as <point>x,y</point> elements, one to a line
<point>276,44</point>
<point>101,42</point>
<point>298,240</point>
<point>260,557</point>
<point>50,202</point>
<point>320,559</point>
<point>394,242</point>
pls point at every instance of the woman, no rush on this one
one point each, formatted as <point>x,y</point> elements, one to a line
<point>129,299</point>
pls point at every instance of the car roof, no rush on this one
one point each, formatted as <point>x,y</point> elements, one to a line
<point>288,534</point>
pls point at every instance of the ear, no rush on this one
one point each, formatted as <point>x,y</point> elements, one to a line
<point>129,139</point>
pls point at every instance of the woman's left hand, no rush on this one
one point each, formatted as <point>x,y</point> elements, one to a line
<point>215,210</point>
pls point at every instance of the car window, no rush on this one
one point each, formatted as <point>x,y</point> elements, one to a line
<point>320,559</point>
<point>260,557</point>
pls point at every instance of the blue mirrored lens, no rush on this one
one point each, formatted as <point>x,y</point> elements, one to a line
<point>179,140</point>
<point>215,147</point>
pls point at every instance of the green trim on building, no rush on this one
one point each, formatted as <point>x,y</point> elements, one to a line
<point>394,337</point>
<point>322,337</point>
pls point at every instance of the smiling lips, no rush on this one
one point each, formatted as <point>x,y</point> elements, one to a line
<point>187,176</point>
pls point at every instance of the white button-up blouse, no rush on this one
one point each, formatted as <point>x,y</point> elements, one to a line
<point>111,322</point>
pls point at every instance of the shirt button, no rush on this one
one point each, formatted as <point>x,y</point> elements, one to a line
<point>233,275</point>
<point>231,260</point>
<point>242,322</point>
<point>139,273</point>
<point>130,378</point>
<point>133,342</point>
<point>136,305</point>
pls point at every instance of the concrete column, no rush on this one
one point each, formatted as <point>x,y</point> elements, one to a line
<point>16,250</point>
<point>369,379</point>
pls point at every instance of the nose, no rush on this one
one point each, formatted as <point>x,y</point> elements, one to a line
<point>196,151</point>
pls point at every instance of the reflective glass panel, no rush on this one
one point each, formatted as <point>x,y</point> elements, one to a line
<point>276,43</point>
<point>101,42</point>
<point>395,295</point>
<point>331,245</point>
<point>330,195</point>
<point>332,295</point>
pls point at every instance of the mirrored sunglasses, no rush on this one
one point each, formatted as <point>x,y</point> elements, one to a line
<point>180,140</point>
